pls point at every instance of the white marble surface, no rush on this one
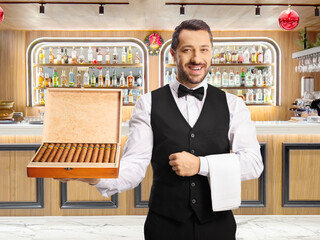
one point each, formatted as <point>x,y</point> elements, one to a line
<point>260,227</point>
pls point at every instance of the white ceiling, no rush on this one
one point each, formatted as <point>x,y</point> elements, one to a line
<point>152,15</point>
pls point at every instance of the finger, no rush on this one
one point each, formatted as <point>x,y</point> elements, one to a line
<point>175,168</point>
<point>172,163</point>
<point>173,156</point>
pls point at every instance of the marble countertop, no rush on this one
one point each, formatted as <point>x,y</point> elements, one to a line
<point>249,227</point>
<point>262,127</point>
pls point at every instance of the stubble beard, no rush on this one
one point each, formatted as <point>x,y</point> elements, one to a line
<point>182,74</point>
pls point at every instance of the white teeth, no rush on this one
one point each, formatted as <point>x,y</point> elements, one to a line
<point>198,68</point>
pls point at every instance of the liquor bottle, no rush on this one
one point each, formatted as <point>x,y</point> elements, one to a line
<point>64,79</point>
<point>51,56</point>
<point>137,58</point>
<point>212,76</point>
<point>267,95</point>
<point>130,97</point>
<point>107,79</point>
<point>130,55</point>
<point>249,79</point>
<point>246,56</point>
<point>86,81</point>
<point>93,81</point>
<point>47,80</point>
<point>71,78</point>
<point>41,97</point>
<point>259,97</point>
<point>225,79</point>
<point>267,56</point>
<point>228,55</point>
<point>259,79</point>
<point>40,78</point>
<point>235,55</point>
<point>242,77</point>
<point>55,79</point>
<point>114,80</point>
<point>130,80</point>
<point>79,79</point>
<point>217,79</point>
<point>139,80</point>
<point>123,80</point>
<point>208,78</point>
<point>41,57</point>
<point>222,56</point>
<point>216,56</point>
<point>237,80</point>
<point>170,59</point>
<point>59,55</point>
<point>269,78</point>
<point>107,56</point>
<point>173,75</point>
<point>124,56</point>
<point>65,56</point>
<point>99,56</point>
<point>240,56</point>
<point>90,55</point>
<point>260,55</point>
<point>253,55</point>
<point>81,56</point>
<point>74,55</point>
<point>168,78</point>
<point>62,58</point>
<point>100,79</point>
<point>115,56</point>
<point>231,78</point>
<point>250,96</point>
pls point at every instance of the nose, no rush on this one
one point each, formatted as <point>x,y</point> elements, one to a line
<point>195,58</point>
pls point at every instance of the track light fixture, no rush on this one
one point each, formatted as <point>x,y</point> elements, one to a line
<point>316,11</point>
<point>182,12</point>
<point>41,9</point>
<point>101,10</point>
<point>258,10</point>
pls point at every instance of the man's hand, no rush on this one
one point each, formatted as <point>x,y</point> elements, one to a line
<point>184,164</point>
<point>92,181</point>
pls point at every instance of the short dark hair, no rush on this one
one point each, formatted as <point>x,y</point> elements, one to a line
<point>192,24</point>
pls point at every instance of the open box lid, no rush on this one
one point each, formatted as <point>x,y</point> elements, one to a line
<point>82,115</point>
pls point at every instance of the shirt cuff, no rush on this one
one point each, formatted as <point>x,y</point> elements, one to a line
<point>204,168</point>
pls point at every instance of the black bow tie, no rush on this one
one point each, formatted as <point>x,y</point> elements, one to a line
<point>183,91</point>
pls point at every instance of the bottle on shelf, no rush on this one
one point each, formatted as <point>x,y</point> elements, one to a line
<point>86,79</point>
<point>100,79</point>
<point>259,79</point>
<point>64,79</point>
<point>170,59</point>
<point>235,55</point>
<point>269,78</point>
<point>41,57</point>
<point>250,96</point>
<point>90,55</point>
<point>62,58</point>
<point>139,80</point>
<point>217,79</point>
<point>130,55</point>
<point>168,78</point>
<point>40,78</point>
<point>47,80</point>
<point>237,80</point>
<point>81,56</point>
<point>99,56</point>
<point>107,79</point>
<point>267,56</point>
<point>41,97</point>
<point>93,81</point>
<point>137,58</point>
<point>130,80</point>
<point>243,77</point>
<point>208,78</point>
<point>249,79</point>
<point>267,95</point>
<point>107,56</point>
<point>79,79</point>
<point>123,80</point>
<point>216,56</point>
<point>124,56</point>
<point>259,96</point>
<point>59,56</point>
<point>115,56</point>
<point>240,56</point>
<point>55,78</point>
<point>231,78</point>
<point>51,56</point>
<point>246,56</point>
<point>74,55</point>
<point>71,78</point>
<point>130,95</point>
<point>253,55</point>
<point>65,56</point>
<point>260,55</point>
<point>222,56</point>
<point>212,76</point>
<point>240,94</point>
<point>114,80</point>
<point>228,55</point>
<point>225,79</point>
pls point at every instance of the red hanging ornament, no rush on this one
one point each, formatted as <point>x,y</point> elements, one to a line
<point>288,19</point>
<point>1,15</point>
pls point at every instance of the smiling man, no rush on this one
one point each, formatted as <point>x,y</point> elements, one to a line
<point>182,128</point>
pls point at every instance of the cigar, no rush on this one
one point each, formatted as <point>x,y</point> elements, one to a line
<point>47,153</point>
<point>113,153</point>
<point>59,153</point>
<point>101,152</point>
<point>65,152</point>
<point>89,153</point>
<point>107,154</point>
<point>41,152</point>
<point>71,152</point>
<point>77,153</point>
<point>83,152</point>
<point>53,152</point>
<point>95,153</point>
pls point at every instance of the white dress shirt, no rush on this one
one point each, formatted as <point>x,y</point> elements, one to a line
<point>137,151</point>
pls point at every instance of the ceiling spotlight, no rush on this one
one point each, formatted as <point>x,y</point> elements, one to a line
<point>316,12</point>
<point>41,8</point>
<point>101,10</point>
<point>182,10</point>
<point>258,10</point>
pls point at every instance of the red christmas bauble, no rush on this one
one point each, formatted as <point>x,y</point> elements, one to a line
<point>288,19</point>
<point>1,15</point>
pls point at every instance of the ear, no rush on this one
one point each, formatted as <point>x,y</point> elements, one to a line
<point>173,54</point>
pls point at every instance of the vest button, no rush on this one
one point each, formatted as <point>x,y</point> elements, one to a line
<point>193,135</point>
<point>192,151</point>
<point>193,201</point>
<point>193,184</point>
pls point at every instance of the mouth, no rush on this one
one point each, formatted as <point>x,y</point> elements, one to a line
<point>196,69</point>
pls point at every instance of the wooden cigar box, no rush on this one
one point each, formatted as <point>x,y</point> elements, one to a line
<point>79,116</point>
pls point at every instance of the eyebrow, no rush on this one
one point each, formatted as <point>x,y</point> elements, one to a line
<point>193,46</point>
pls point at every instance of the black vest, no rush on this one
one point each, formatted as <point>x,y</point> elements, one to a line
<point>171,195</point>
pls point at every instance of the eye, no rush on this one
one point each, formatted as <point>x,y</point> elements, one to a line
<point>205,50</point>
<point>186,50</point>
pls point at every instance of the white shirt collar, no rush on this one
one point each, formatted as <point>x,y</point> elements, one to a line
<point>175,85</point>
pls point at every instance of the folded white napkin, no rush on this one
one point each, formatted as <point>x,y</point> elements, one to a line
<point>225,181</point>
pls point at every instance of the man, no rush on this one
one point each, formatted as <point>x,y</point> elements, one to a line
<point>180,130</point>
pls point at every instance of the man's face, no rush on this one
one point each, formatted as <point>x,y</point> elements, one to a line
<point>192,56</point>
